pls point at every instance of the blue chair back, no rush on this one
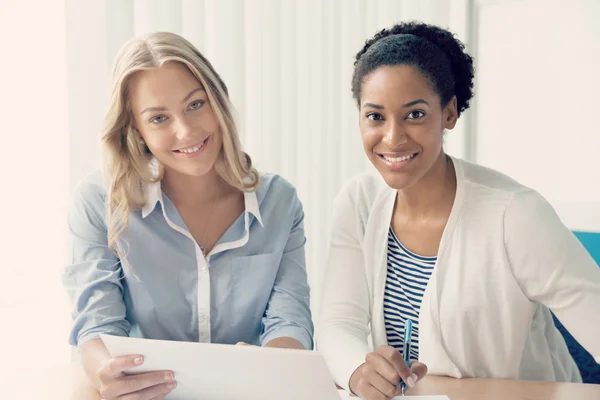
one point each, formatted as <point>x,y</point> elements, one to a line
<point>590,370</point>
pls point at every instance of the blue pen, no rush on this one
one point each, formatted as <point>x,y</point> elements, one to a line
<point>406,349</point>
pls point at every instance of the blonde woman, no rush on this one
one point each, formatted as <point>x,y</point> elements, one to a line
<point>180,238</point>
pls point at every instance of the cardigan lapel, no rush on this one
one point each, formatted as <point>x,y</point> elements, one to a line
<point>432,346</point>
<point>376,259</point>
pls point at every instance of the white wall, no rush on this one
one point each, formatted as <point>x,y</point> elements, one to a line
<point>538,86</point>
<point>35,186</point>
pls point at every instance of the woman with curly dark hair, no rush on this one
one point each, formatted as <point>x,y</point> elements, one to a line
<point>475,260</point>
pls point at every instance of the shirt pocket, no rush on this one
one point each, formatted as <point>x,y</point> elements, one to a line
<point>253,279</point>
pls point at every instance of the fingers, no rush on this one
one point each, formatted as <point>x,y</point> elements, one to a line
<point>242,344</point>
<point>133,384</point>
<point>377,379</point>
<point>153,392</point>
<point>394,358</point>
<point>381,384</point>
<point>419,370</point>
<point>377,363</point>
<point>114,367</point>
<point>370,393</point>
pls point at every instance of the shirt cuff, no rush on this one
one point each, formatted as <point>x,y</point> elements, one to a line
<point>293,332</point>
<point>95,334</point>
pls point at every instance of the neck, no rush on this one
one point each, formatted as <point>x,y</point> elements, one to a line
<point>433,194</point>
<point>192,190</point>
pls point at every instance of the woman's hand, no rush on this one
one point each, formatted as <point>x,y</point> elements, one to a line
<point>380,376</point>
<point>114,384</point>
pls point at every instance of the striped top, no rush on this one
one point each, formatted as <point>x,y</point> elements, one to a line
<point>407,277</point>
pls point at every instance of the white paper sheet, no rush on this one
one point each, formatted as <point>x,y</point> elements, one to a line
<point>226,372</point>
<point>346,396</point>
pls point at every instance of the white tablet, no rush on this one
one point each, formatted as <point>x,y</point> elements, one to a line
<point>226,372</point>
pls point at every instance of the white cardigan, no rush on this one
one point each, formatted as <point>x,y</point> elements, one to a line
<point>504,260</point>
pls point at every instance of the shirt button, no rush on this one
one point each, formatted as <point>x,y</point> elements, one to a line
<point>204,317</point>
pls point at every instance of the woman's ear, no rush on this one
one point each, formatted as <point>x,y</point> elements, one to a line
<point>450,114</point>
<point>139,135</point>
<point>141,141</point>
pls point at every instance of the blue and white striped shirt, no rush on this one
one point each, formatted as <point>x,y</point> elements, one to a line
<point>407,277</point>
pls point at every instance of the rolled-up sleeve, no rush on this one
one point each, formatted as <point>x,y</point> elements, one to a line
<point>288,311</point>
<point>93,276</point>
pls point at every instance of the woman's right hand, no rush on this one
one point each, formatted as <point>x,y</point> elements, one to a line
<point>380,376</point>
<point>114,384</point>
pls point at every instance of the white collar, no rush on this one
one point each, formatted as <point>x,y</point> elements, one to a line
<point>154,195</point>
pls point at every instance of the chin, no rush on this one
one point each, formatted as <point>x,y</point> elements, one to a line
<point>190,170</point>
<point>398,180</point>
<point>196,172</point>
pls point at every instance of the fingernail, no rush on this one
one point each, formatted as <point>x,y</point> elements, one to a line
<point>415,377</point>
<point>138,360</point>
<point>172,385</point>
<point>168,376</point>
<point>410,381</point>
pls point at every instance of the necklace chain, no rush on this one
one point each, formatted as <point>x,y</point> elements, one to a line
<point>212,211</point>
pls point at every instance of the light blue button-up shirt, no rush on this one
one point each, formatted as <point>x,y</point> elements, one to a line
<point>251,287</point>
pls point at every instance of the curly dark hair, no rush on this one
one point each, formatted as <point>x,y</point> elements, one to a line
<point>434,51</point>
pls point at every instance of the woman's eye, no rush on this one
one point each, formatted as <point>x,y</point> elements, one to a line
<point>196,104</point>
<point>374,117</point>
<point>416,114</point>
<point>158,119</point>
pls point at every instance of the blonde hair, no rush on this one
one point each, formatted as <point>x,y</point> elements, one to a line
<point>126,159</point>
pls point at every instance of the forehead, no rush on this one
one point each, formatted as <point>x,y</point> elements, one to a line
<point>396,84</point>
<point>161,86</point>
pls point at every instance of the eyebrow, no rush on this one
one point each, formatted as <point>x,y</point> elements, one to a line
<point>412,103</point>
<point>193,92</point>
